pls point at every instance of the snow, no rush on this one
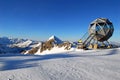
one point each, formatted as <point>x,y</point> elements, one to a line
<point>52,37</point>
<point>72,65</point>
<point>52,51</point>
<point>36,45</point>
<point>56,39</point>
<point>23,44</point>
<point>56,50</point>
<point>7,40</point>
<point>15,45</point>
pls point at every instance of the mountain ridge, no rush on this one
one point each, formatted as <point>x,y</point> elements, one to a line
<point>16,45</point>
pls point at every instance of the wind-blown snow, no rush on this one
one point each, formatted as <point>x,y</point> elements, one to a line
<point>72,65</point>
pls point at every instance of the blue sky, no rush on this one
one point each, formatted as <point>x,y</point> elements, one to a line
<point>67,19</point>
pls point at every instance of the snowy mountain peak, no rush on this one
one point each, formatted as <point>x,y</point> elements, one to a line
<point>56,39</point>
<point>52,37</point>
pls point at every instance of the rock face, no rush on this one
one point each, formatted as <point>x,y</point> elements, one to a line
<point>54,41</point>
<point>33,50</point>
<point>48,45</point>
<point>66,44</point>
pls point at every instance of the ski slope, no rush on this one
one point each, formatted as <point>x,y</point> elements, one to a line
<point>72,65</point>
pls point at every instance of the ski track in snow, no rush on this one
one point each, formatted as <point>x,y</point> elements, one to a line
<point>74,65</point>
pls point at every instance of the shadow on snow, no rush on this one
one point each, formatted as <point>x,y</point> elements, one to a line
<point>12,64</point>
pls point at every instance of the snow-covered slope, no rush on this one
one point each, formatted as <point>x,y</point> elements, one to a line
<point>54,50</point>
<point>74,65</point>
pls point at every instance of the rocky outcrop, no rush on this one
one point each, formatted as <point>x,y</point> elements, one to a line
<point>67,45</point>
<point>48,45</point>
<point>33,50</point>
<point>51,43</point>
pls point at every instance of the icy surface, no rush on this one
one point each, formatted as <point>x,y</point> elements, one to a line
<point>72,65</point>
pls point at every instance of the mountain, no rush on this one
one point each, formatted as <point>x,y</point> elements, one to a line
<point>26,46</point>
<point>115,43</point>
<point>15,45</point>
<point>56,39</point>
<point>52,45</point>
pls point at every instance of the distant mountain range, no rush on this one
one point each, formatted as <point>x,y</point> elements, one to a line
<point>15,45</point>
<point>26,46</point>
